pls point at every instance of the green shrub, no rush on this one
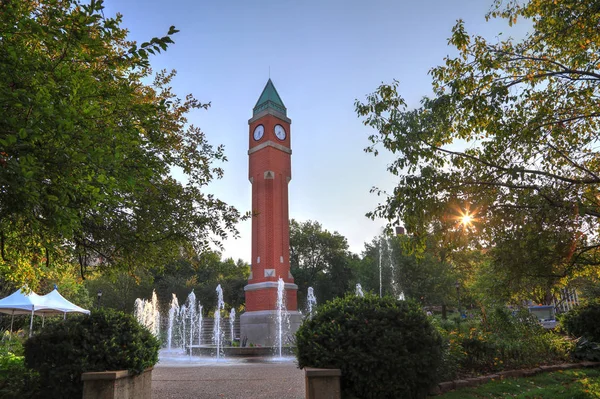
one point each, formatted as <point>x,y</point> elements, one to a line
<point>16,380</point>
<point>105,340</point>
<point>11,345</point>
<point>507,340</point>
<point>587,350</point>
<point>385,348</point>
<point>521,341</point>
<point>584,321</point>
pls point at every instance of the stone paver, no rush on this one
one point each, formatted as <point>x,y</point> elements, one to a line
<point>238,381</point>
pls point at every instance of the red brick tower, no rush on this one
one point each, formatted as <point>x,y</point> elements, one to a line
<point>269,173</point>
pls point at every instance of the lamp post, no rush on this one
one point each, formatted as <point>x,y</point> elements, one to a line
<point>457,285</point>
<point>380,282</point>
<point>99,297</point>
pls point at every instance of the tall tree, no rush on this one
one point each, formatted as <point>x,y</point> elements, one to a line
<point>319,259</point>
<point>419,276</point>
<point>509,138</point>
<point>379,269</point>
<point>199,273</point>
<point>87,146</point>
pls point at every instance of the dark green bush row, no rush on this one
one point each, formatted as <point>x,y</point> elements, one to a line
<point>587,350</point>
<point>584,321</point>
<point>385,348</point>
<point>105,340</point>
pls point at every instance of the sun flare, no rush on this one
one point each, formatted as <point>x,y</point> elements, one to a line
<point>466,219</point>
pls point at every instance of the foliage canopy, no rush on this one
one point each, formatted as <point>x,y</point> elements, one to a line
<point>509,136</point>
<point>319,259</point>
<point>87,146</point>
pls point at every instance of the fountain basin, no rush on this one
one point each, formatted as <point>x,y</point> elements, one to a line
<point>236,351</point>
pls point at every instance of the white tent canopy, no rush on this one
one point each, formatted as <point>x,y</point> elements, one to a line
<point>22,303</point>
<point>57,302</point>
<point>19,303</point>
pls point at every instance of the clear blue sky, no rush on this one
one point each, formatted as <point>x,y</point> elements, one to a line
<point>322,56</point>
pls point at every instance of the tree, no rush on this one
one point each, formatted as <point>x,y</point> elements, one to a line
<point>231,275</point>
<point>87,147</point>
<point>422,277</point>
<point>508,138</point>
<point>425,278</point>
<point>319,259</point>
<point>119,288</point>
<point>380,269</point>
<point>200,273</point>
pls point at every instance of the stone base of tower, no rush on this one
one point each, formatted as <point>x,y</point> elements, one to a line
<point>260,327</point>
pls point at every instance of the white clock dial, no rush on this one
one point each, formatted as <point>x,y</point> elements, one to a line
<point>280,132</point>
<point>259,131</point>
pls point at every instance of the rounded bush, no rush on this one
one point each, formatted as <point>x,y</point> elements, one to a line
<point>584,321</point>
<point>385,348</point>
<point>104,340</point>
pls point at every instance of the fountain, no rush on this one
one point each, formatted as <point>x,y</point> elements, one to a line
<point>147,314</point>
<point>173,314</point>
<point>200,308</point>
<point>191,315</point>
<point>184,323</point>
<point>311,301</point>
<point>281,314</point>
<point>184,342</point>
<point>380,268</point>
<point>393,272</point>
<point>359,292</point>
<point>387,269</point>
<point>231,324</point>
<point>217,330</point>
<point>182,314</point>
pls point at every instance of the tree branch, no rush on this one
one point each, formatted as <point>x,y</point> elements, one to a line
<point>513,170</point>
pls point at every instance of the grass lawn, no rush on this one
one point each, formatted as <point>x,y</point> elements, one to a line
<point>567,384</point>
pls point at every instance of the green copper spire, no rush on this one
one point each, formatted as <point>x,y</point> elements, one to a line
<point>269,99</point>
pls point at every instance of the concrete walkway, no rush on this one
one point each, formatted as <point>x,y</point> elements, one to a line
<point>252,380</point>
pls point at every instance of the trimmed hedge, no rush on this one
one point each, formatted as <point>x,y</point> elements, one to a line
<point>385,348</point>
<point>105,340</point>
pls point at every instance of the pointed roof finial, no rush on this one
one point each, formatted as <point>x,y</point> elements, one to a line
<point>269,99</point>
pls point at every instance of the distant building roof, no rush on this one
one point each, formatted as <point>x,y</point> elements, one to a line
<point>269,99</point>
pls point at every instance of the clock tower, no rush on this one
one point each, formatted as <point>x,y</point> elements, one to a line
<point>269,173</point>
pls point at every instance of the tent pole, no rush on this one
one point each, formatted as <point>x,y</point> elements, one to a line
<point>12,319</point>
<point>65,316</point>
<point>31,322</point>
<point>43,318</point>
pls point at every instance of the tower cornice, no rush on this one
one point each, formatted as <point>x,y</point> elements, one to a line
<point>269,144</point>
<point>269,111</point>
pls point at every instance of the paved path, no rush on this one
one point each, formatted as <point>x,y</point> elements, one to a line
<point>228,381</point>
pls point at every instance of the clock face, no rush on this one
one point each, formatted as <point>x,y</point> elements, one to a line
<point>259,131</point>
<point>280,132</point>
